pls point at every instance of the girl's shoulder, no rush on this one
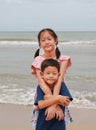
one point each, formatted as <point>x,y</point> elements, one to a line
<point>37,62</point>
<point>64,58</point>
<point>39,58</point>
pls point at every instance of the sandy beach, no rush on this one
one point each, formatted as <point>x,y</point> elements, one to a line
<point>17,117</point>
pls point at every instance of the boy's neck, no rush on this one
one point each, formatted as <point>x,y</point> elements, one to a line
<point>51,86</point>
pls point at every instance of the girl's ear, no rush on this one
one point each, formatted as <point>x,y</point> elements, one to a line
<point>41,73</point>
<point>56,41</point>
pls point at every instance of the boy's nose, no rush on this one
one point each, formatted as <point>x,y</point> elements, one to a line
<point>51,75</point>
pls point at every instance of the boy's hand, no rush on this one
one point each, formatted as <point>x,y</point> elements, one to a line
<point>50,112</point>
<point>53,111</point>
<point>59,113</point>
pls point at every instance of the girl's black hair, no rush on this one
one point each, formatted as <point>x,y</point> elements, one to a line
<point>58,53</point>
<point>37,53</point>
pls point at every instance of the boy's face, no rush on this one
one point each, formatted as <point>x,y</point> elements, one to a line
<point>50,75</point>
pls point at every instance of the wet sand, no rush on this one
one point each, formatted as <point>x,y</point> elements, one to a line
<point>17,117</point>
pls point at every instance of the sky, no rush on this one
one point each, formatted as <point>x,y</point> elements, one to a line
<point>61,15</point>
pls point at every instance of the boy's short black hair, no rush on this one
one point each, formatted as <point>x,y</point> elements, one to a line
<point>50,62</point>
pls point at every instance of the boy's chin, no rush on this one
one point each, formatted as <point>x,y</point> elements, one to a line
<point>50,83</point>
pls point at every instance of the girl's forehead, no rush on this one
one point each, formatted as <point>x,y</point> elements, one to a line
<point>45,34</point>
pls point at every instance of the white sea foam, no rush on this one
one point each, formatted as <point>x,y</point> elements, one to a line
<point>18,43</point>
<point>92,42</point>
<point>17,96</point>
<point>26,96</point>
<point>84,99</point>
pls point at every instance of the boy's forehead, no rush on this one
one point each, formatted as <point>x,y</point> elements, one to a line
<point>51,68</point>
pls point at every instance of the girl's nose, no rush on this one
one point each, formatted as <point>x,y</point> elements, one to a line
<point>47,41</point>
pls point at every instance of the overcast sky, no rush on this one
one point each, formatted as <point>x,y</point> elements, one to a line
<point>61,15</point>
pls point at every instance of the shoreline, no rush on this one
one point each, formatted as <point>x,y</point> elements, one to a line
<point>17,117</point>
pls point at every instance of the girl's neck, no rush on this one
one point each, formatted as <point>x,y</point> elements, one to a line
<point>49,55</point>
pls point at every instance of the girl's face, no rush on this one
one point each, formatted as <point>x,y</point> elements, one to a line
<point>47,41</point>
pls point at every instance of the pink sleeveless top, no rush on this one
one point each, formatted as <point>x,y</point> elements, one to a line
<point>38,60</point>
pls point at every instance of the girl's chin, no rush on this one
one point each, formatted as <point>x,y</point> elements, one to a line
<point>48,50</point>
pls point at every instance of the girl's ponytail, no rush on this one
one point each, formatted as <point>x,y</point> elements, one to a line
<point>36,53</point>
<point>58,53</point>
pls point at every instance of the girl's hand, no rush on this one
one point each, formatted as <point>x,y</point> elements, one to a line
<point>59,113</point>
<point>63,100</point>
<point>50,112</point>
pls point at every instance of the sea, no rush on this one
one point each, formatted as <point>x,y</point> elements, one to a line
<point>18,85</point>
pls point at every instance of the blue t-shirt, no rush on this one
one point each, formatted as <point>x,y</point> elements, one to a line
<point>53,124</point>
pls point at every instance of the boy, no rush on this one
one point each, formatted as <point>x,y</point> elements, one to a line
<point>50,72</point>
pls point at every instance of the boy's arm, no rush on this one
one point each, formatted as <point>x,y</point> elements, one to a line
<point>43,101</point>
<point>59,99</point>
<point>48,102</point>
<point>50,111</point>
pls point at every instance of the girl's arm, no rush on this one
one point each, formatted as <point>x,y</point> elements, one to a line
<point>59,99</point>
<point>48,102</point>
<point>42,84</point>
<point>63,68</point>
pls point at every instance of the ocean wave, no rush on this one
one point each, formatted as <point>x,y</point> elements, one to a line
<point>13,95</point>
<point>16,95</point>
<point>84,99</point>
<point>18,43</point>
<point>92,42</point>
<point>77,78</point>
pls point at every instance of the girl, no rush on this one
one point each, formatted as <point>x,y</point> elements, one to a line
<point>48,41</point>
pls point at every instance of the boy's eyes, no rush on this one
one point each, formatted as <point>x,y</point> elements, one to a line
<point>54,73</point>
<point>48,72</point>
<point>49,39</point>
<point>42,40</point>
